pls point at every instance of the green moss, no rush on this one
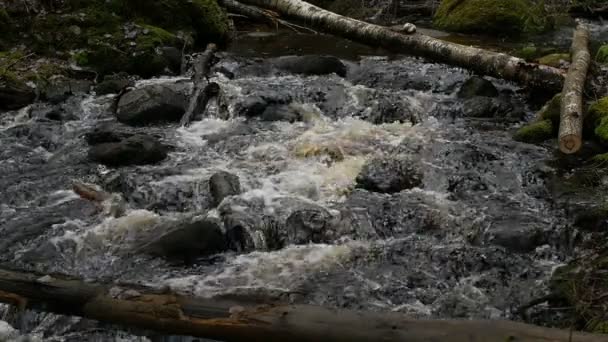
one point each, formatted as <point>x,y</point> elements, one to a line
<point>596,120</point>
<point>601,130</point>
<point>535,132</point>
<point>600,160</point>
<point>554,59</point>
<point>551,110</point>
<point>602,55</point>
<point>490,16</point>
<point>153,36</point>
<point>529,52</point>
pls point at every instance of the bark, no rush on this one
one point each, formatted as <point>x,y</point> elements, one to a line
<point>171,313</point>
<point>571,118</point>
<point>478,60</point>
<point>199,97</point>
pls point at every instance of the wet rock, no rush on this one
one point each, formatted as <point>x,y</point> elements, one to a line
<point>187,240</point>
<point>113,84</point>
<point>516,235</point>
<point>309,225</point>
<point>535,132</point>
<point>256,105</point>
<point>173,57</point>
<point>280,113</point>
<point>108,133</point>
<point>14,95</point>
<point>136,150</point>
<point>389,175</point>
<point>477,86</point>
<point>311,65</point>
<point>223,184</point>
<point>59,88</point>
<point>485,107</point>
<point>151,104</point>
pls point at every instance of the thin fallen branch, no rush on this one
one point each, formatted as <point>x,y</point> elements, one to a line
<point>481,61</point>
<point>571,118</point>
<point>256,13</point>
<point>201,68</point>
<point>165,311</point>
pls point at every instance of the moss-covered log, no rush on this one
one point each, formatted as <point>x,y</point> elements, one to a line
<point>571,119</point>
<point>481,61</point>
<point>229,321</point>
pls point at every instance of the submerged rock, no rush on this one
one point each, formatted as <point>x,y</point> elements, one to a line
<point>486,107</point>
<point>108,133</point>
<point>389,175</point>
<point>187,240</point>
<point>136,150</point>
<point>477,86</point>
<point>151,104</point>
<point>223,184</point>
<point>311,65</point>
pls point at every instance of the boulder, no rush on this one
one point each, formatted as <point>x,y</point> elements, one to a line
<point>223,184</point>
<point>187,240</point>
<point>486,107</point>
<point>516,236</point>
<point>477,86</point>
<point>136,150</point>
<point>308,225</point>
<point>151,104</point>
<point>389,175</point>
<point>113,84</point>
<point>501,17</point>
<point>15,94</point>
<point>311,65</point>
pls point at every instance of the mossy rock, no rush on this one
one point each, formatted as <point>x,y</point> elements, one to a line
<point>555,59</point>
<point>597,120</point>
<point>502,17</point>
<point>551,111</point>
<point>535,132</point>
<point>205,18</point>
<point>602,55</point>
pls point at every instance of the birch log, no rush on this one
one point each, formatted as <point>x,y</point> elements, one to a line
<point>571,117</point>
<point>198,99</point>
<point>165,311</point>
<point>478,60</point>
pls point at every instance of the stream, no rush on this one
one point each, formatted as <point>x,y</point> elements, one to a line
<point>478,235</point>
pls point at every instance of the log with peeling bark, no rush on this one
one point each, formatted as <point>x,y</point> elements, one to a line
<point>478,60</point>
<point>571,117</point>
<point>259,14</point>
<point>167,312</point>
<point>199,97</point>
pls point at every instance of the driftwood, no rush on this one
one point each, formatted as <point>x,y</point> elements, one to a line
<point>478,60</point>
<point>571,118</point>
<point>171,313</point>
<point>199,99</point>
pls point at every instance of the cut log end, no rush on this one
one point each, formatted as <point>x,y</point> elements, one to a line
<point>570,143</point>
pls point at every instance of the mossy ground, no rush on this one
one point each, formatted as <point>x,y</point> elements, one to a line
<point>535,132</point>
<point>555,59</point>
<point>119,35</point>
<point>597,120</point>
<point>502,17</point>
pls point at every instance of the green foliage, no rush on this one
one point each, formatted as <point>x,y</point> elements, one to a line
<point>491,16</point>
<point>554,59</point>
<point>528,52</point>
<point>596,120</point>
<point>535,132</point>
<point>602,55</point>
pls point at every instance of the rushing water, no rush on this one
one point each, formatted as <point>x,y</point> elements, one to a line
<point>478,238</point>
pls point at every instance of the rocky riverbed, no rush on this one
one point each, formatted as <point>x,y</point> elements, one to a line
<point>366,181</point>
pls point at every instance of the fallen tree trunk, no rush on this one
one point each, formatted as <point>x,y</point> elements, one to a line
<point>571,117</point>
<point>229,321</point>
<point>197,99</point>
<point>478,60</point>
